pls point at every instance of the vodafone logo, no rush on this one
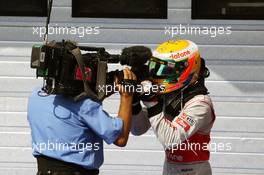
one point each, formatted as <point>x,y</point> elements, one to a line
<point>180,55</point>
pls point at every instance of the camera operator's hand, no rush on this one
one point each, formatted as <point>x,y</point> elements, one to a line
<point>126,90</point>
<point>125,108</point>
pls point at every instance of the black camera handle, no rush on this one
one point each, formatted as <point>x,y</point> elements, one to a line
<point>92,49</point>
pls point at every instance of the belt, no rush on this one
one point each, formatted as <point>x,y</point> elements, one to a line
<point>50,166</point>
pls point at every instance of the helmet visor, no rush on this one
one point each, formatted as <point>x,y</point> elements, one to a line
<point>165,68</point>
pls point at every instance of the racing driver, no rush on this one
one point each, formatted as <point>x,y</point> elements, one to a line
<point>181,115</point>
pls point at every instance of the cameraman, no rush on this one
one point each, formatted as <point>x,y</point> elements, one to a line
<point>182,115</point>
<point>67,136</point>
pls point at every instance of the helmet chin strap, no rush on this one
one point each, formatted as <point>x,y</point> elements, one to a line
<point>175,101</point>
<point>182,89</point>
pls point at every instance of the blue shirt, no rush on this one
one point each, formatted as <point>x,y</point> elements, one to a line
<point>71,131</point>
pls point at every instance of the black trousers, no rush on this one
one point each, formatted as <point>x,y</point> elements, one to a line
<point>50,166</point>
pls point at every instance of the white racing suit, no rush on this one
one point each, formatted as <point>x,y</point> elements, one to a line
<point>185,139</point>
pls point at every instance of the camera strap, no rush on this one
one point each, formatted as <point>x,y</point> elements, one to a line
<point>87,90</point>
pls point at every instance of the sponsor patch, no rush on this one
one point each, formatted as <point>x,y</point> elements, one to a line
<point>188,119</point>
<point>180,55</point>
<point>186,122</point>
<point>183,124</point>
<point>186,169</point>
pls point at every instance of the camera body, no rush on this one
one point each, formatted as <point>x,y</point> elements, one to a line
<point>59,68</point>
<point>61,72</point>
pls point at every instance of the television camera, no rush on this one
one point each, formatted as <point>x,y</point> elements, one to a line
<point>65,70</point>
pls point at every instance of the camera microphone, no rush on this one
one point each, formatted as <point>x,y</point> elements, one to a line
<point>135,56</point>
